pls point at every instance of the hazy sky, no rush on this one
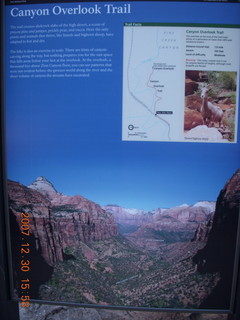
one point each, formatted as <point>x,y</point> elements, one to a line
<point>70,132</point>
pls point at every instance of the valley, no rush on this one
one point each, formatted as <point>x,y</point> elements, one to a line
<point>114,256</point>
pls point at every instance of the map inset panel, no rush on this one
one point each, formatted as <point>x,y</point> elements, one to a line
<point>156,84</point>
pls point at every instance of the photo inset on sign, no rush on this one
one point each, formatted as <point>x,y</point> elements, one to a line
<point>210,106</point>
<point>181,257</point>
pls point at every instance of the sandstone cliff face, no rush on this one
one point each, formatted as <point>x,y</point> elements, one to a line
<point>47,238</point>
<point>37,262</point>
<point>218,254</point>
<point>203,230</point>
<point>222,238</point>
<point>57,220</point>
<point>81,220</point>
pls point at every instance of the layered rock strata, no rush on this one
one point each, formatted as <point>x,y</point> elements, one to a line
<point>57,220</point>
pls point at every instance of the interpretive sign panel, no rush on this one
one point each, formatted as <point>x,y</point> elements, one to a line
<point>111,202</point>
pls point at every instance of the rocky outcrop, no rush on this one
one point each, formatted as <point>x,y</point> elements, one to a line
<point>195,75</point>
<point>192,114</point>
<point>203,133</point>
<point>57,220</point>
<point>190,86</point>
<point>193,102</point>
<point>218,254</point>
<point>192,119</point>
<point>202,232</point>
<point>228,121</point>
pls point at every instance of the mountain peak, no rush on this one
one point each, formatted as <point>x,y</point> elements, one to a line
<point>45,187</point>
<point>41,178</point>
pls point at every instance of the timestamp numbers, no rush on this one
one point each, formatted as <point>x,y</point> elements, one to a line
<point>25,263</point>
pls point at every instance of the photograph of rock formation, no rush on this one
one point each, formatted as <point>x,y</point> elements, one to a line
<point>210,106</point>
<point>81,252</point>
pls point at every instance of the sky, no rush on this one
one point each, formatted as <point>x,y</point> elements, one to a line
<point>70,130</point>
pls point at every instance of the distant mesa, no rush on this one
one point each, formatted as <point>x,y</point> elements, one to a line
<point>184,205</point>
<point>206,204</point>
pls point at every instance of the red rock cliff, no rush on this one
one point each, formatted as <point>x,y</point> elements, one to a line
<point>57,220</point>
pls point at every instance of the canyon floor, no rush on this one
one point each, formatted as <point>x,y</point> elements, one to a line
<point>180,258</point>
<point>132,276</point>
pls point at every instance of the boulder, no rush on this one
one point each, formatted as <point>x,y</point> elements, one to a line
<point>192,118</point>
<point>193,102</point>
<point>190,87</point>
<point>193,75</point>
<point>229,117</point>
<point>203,133</point>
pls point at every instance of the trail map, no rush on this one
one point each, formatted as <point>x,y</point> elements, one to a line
<point>152,104</point>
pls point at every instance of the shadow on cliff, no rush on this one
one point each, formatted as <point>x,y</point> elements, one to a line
<point>219,253</point>
<point>39,273</point>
